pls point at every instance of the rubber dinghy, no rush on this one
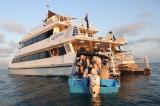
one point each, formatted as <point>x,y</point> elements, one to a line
<point>93,84</point>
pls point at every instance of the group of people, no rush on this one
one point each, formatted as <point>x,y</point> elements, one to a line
<point>93,65</point>
<point>89,64</point>
<point>97,51</point>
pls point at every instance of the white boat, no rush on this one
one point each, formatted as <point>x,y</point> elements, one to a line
<point>51,48</point>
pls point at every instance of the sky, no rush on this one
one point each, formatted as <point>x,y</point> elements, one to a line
<point>136,20</point>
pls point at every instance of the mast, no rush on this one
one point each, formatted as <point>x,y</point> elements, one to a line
<point>47,9</point>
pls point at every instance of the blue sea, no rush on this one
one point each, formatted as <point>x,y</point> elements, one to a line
<point>136,90</point>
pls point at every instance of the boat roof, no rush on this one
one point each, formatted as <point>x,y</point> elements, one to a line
<point>100,40</point>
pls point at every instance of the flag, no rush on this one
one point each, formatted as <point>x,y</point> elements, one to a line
<point>86,19</point>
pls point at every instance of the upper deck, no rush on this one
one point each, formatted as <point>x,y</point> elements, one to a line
<point>58,23</point>
<point>68,37</point>
<point>58,30</point>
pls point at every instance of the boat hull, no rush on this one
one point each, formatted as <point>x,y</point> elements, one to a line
<point>81,85</point>
<point>48,71</point>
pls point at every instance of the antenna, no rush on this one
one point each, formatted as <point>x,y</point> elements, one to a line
<point>47,8</point>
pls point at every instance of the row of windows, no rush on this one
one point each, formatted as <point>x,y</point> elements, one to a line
<point>45,54</point>
<point>35,56</point>
<point>37,38</point>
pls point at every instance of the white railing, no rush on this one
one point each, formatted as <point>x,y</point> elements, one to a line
<point>81,23</point>
<point>64,34</point>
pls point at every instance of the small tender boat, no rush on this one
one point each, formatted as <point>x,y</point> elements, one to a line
<point>81,85</point>
<point>94,84</point>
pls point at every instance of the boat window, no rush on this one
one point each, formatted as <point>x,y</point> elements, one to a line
<point>20,59</point>
<point>27,43</point>
<point>20,46</point>
<point>75,31</point>
<point>42,55</point>
<point>38,38</point>
<point>34,39</point>
<point>49,33</point>
<point>27,58</point>
<point>16,60</point>
<point>31,57</point>
<point>36,56</point>
<point>30,41</point>
<point>23,58</point>
<point>62,51</point>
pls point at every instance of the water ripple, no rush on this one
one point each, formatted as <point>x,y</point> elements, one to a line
<point>42,91</point>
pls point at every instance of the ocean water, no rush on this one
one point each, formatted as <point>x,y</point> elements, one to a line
<point>136,90</point>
